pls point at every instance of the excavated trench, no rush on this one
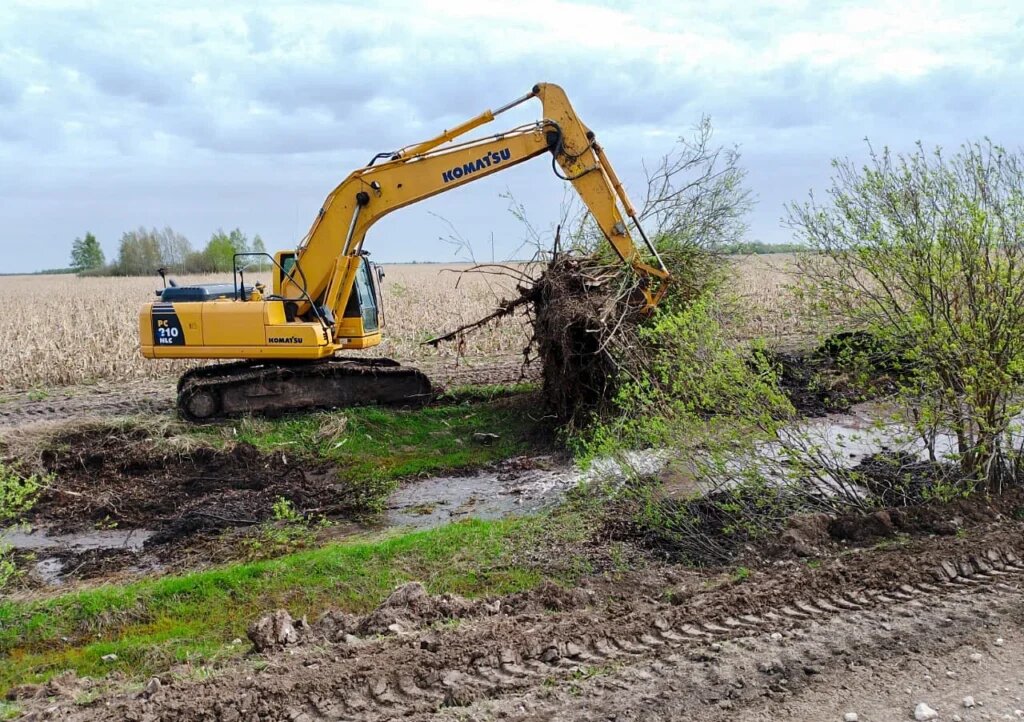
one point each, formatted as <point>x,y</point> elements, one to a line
<point>124,502</point>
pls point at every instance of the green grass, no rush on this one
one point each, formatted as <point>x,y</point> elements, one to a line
<point>152,624</point>
<point>379,444</point>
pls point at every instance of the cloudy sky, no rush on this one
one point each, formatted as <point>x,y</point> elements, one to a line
<point>201,115</point>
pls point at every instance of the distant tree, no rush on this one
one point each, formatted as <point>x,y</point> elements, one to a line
<point>198,262</point>
<point>746,248</point>
<point>221,249</point>
<point>174,248</point>
<point>139,253</point>
<point>259,247</point>
<point>86,253</point>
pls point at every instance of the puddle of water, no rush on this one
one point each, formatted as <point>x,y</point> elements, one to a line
<point>50,570</point>
<point>37,539</point>
<point>493,494</point>
<point>487,495</point>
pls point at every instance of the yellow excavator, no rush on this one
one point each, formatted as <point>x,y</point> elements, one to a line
<point>325,294</point>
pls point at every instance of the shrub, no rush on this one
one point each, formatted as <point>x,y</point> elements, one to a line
<point>926,252</point>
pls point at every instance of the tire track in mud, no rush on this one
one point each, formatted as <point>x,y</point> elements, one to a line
<point>21,412</point>
<point>536,664</point>
<point>666,640</point>
<point>765,667</point>
<point>157,398</point>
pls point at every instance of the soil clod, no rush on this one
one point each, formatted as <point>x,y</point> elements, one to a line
<point>273,631</point>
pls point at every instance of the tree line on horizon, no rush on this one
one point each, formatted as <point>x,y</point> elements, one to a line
<point>142,251</point>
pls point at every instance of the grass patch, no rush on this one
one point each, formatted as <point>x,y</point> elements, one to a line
<point>153,624</point>
<point>373,443</point>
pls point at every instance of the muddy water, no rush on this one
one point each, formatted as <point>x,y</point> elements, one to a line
<point>517,486</point>
<point>843,439</point>
<point>50,568</point>
<point>849,438</point>
<point>40,539</point>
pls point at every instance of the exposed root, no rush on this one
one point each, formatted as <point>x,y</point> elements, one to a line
<point>584,313</point>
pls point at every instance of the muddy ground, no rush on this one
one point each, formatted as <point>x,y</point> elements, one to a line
<point>121,500</point>
<point>126,502</point>
<point>863,614</point>
<point>870,630</point>
<point>814,381</point>
<point>157,397</point>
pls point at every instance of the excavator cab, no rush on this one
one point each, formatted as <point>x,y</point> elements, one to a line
<point>363,314</point>
<point>284,266</point>
<point>364,302</point>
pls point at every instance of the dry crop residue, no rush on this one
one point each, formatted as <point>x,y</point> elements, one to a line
<point>620,650</point>
<point>98,341</point>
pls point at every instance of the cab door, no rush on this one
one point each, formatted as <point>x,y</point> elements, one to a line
<point>366,290</point>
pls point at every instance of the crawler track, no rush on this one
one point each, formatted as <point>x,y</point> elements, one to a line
<point>213,392</point>
<point>157,397</point>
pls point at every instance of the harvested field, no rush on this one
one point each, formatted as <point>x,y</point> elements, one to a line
<point>97,341</point>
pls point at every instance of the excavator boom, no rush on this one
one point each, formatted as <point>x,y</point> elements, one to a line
<point>325,296</point>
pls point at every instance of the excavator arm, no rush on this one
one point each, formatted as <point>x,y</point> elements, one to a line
<point>324,296</point>
<point>324,271</point>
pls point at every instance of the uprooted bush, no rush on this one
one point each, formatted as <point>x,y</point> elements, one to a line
<point>585,308</point>
<point>591,333</point>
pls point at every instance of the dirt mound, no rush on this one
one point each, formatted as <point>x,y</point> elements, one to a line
<point>274,630</point>
<point>807,535</point>
<point>702,651</point>
<point>742,526</point>
<point>899,478</point>
<point>862,527</point>
<point>548,597</point>
<point>410,606</point>
<point>130,480</point>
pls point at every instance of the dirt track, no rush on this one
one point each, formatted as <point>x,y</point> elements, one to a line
<point>148,398</point>
<point>791,642</point>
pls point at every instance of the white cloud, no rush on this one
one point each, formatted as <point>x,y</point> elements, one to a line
<point>106,100</point>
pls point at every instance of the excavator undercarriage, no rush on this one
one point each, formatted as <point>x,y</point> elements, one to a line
<point>273,388</point>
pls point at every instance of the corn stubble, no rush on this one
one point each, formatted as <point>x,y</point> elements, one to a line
<point>65,330</point>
